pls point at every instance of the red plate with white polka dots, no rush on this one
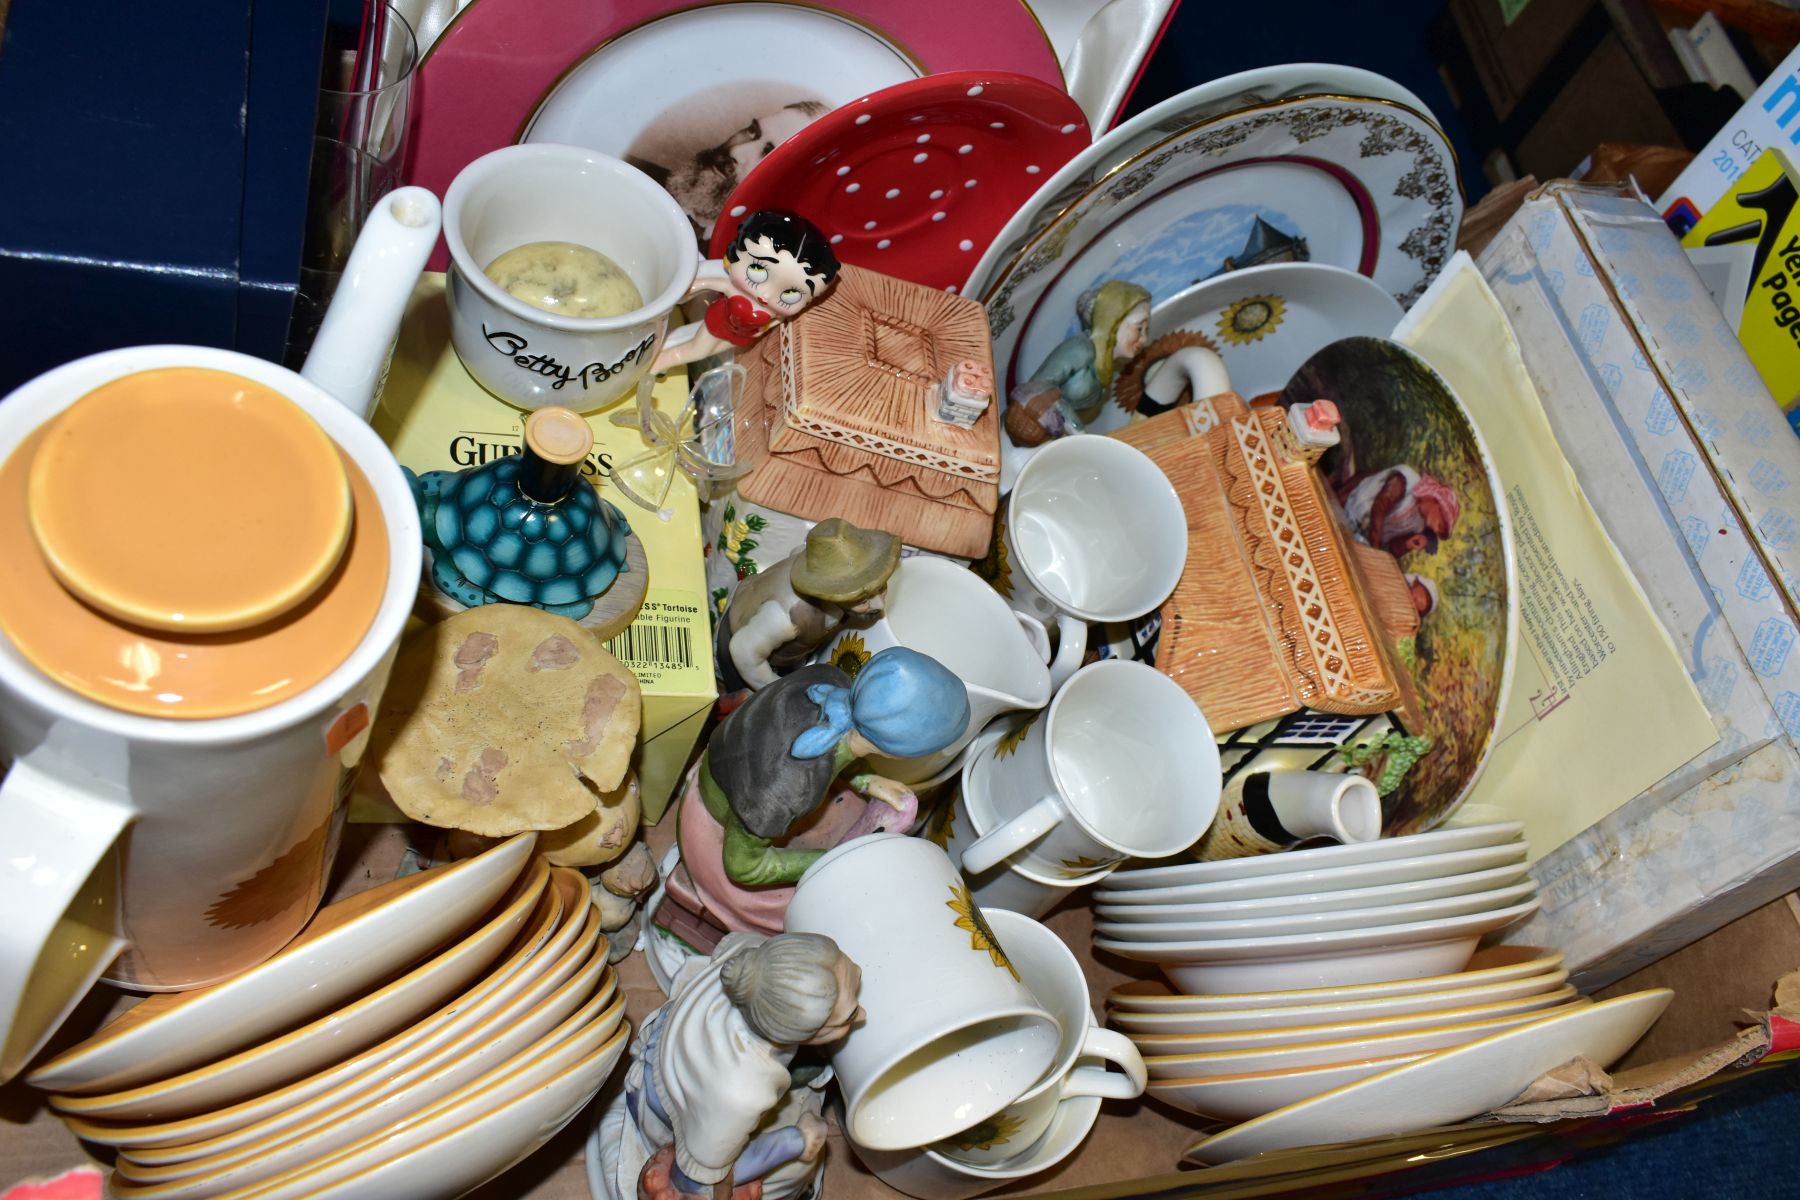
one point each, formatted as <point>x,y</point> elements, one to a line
<point>915,180</point>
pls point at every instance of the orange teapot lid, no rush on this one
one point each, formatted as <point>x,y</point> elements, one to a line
<point>186,542</point>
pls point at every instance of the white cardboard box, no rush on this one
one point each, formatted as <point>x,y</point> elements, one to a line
<point>1689,464</point>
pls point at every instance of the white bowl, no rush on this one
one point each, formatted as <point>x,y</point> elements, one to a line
<point>1242,1097</point>
<point>1409,892</point>
<point>1370,955</point>
<point>1323,880</point>
<point>1268,1038</point>
<point>1438,841</point>
<point>1490,965</point>
<point>1342,1050</point>
<point>1168,930</point>
<point>1313,1015</point>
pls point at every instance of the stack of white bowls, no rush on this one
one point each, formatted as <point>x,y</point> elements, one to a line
<point>415,1040</point>
<point>1399,908</point>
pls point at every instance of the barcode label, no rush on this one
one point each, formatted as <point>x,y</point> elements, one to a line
<point>653,644</point>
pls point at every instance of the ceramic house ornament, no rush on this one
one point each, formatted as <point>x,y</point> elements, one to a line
<point>714,1102</point>
<point>525,529</point>
<point>776,267</point>
<point>779,617</point>
<point>850,389</point>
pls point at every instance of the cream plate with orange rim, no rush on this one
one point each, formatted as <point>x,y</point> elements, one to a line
<point>521,965</point>
<point>1490,965</point>
<point>323,1123</point>
<point>1421,868</point>
<point>1168,930</point>
<point>1442,1089</point>
<point>1313,1015</point>
<point>329,1038</point>
<point>1241,1097</point>
<point>1438,841</point>
<point>1268,1039</point>
<point>579,966</point>
<point>1417,891</point>
<point>566,1069</point>
<point>345,948</point>
<point>577,1011</point>
<point>1371,954</point>
<point>1342,1050</point>
<point>264,490</point>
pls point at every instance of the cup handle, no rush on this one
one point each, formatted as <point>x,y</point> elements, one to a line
<point>1072,637</point>
<point>1013,836</point>
<point>55,835</point>
<point>1035,633</point>
<point>1127,1083</point>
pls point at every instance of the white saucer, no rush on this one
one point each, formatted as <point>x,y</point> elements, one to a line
<point>1438,841</point>
<point>1448,1087</point>
<point>1311,902</point>
<point>1491,964</point>
<point>1314,1015</point>
<point>1242,1097</point>
<point>1161,1042</point>
<point>928,1175</point>
<point>1324,882</point>
<point>1347,918</point>
<point>345,948</point>
<point>1342,1050</point>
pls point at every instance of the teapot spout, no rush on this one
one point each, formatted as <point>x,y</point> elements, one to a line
<point>350,355</point>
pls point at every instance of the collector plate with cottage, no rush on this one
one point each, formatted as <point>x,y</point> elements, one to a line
<point>711,70</point>
<point>1362,184</point>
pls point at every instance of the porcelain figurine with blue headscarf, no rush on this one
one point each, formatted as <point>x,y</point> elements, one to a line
<point>771,764</point>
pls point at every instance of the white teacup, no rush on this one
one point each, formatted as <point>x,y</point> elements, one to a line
<point>1008,885</point>
<point>1094,531</point>
<point>1056,979</point>
<point>1121,765</point>
<point>952,1034</point>
<point>946,611</point>
<point>547,193</point>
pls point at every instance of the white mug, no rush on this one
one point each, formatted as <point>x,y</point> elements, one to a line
<point>946,611</point>
<point>952,1034</point>
<point>1121,765</point>
<point>198,847</point>
<point>1056,979</point>
<point>1094,531</point>
<point>540,192</point>
<point>1008,885</point>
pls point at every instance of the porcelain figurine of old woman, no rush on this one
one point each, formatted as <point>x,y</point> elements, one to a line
<point>1072,384</point>
<point>773,269</point>
<point>712,1101</point>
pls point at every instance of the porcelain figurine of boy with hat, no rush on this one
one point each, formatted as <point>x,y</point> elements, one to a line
<point>778,618</point>
<point>777,265</point>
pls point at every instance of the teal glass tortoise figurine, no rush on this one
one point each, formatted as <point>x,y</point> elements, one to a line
<point>524,529</point>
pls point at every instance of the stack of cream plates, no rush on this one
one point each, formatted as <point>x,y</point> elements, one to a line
<point>1235,1057</point>
<point>416,1040</point>
<point>1399,908</point>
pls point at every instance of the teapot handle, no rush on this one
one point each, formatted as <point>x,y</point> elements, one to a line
<point>349,358</point>
<point>60,896</point>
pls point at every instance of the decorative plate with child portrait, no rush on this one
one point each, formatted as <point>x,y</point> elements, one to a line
<point>1413,478</point>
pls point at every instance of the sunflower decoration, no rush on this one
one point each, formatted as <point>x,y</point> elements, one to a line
<point>1251,319</point>
<point>1075,868</point>
<point>850,654</point>
<point>994,567</point>
<point>969,918</point>
<point>942,826</point>
<point>1009,744</point>
<point>995,1131</point>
